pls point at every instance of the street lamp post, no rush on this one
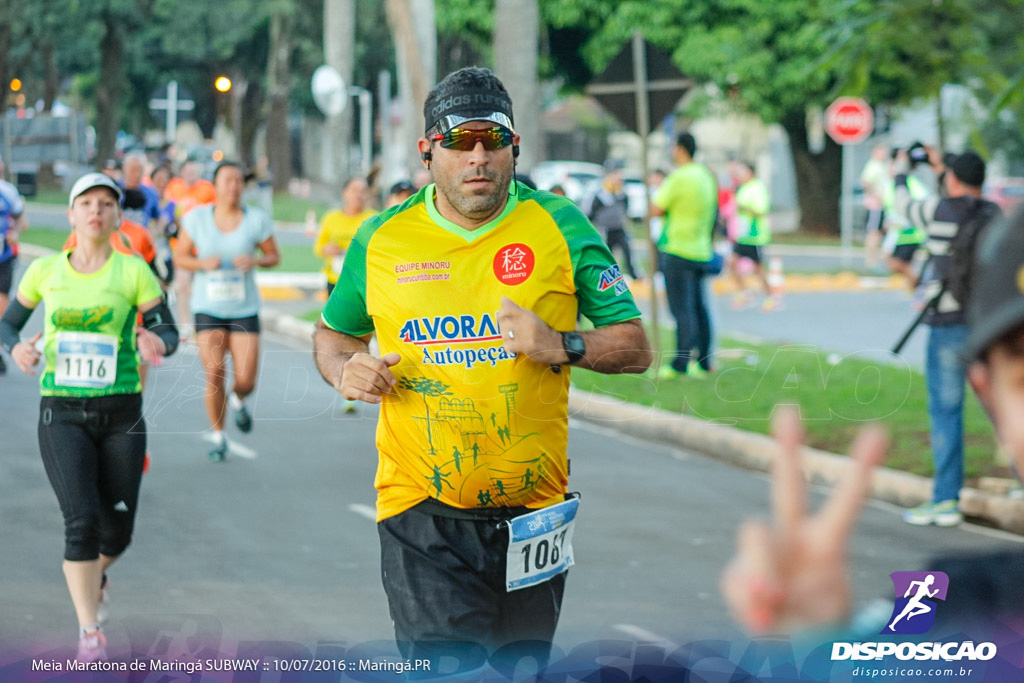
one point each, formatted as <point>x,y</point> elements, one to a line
<point>365,127</point>
<point>235,89</point>
<point>331,94</point>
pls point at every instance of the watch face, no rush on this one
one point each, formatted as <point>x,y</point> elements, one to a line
<point>574,346</point>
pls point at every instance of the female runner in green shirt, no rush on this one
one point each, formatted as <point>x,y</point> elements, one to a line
<point>91,433</point>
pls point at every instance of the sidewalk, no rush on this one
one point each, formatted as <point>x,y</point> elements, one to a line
<point>740,448</point>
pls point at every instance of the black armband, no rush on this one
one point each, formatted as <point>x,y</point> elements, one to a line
<point>160,322</point>
<point>900,180</point>
<point>14,319</point>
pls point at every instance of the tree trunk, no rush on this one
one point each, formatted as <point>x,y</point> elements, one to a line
<point>252,101</point>
<point>47,177</point>
<point>818,176</point>
<point>516,36</point>
<point>279,148</point>
<point>51,82</point>
<point>109,88</point>
<point>417,65</point>
<point>339,42</point>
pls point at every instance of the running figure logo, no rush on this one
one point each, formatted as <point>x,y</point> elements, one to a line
<point>914,612</point>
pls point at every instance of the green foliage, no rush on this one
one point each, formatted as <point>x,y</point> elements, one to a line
<point>893,52</point>
<point>464,30</point>
<point>768,58</point>
<point>374,50</point>
<point>763,55</point>
<point>771,58</point>
<point>570,26</point>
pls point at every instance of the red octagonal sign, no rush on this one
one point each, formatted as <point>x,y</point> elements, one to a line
<point>849,120</point>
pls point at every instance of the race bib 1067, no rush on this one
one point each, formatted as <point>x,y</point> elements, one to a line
<point>540,545</point>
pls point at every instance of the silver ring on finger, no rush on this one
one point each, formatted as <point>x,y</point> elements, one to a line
<point>511,334</point>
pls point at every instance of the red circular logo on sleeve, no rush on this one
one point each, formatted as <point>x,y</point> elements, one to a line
<point>513,264</point>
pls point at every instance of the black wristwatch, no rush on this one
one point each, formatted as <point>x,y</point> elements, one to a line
<point>574,346</point>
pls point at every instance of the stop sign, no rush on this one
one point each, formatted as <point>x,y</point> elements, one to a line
<point>849,120</point>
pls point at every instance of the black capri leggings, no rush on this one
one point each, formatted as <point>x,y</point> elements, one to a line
<point>93,451</point>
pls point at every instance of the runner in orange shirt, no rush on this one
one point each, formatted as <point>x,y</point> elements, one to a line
<point>189,190</point>
<point>130,239</point>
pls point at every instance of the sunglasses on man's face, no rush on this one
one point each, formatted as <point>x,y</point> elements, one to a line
<point>465,140</point>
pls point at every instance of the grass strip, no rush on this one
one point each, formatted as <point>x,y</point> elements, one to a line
<point>836,394</point>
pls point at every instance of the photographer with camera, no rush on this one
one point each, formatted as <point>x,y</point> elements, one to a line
<point>953,224</point>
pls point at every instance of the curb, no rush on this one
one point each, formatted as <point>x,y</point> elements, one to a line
<point>743,449</point>
<point>286,324</point>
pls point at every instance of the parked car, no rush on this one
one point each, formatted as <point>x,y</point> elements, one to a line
<point>1008,193</point>
<point>636,195</point>
<point>580,179</point>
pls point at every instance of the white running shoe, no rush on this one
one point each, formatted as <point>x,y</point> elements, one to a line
<point>103,611</point>
<point>92,646</point>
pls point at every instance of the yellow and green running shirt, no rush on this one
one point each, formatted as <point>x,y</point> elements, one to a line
<point>469,423</point>
<point>337,228</point>
<point>89,323</point>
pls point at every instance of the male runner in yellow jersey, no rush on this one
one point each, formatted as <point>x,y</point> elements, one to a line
<point>472,287</point>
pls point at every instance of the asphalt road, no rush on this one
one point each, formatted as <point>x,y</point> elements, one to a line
<point>866,323</point>
<point>277,546</point>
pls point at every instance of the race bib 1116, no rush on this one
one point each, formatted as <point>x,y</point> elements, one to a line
<point>85,359</point>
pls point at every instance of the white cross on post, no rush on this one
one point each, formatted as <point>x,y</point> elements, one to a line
<point>172,105</point>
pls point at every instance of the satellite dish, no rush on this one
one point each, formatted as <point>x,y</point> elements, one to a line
<point>329,91</point>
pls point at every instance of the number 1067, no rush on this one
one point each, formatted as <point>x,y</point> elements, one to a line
<point>544,554</point>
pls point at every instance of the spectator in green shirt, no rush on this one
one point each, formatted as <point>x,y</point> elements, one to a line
<point>688,198</point>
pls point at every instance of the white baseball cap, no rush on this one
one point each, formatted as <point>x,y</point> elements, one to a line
<point>91,180</point>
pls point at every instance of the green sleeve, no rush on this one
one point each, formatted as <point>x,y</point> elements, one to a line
<point>28,288</point>
<point>663,195</point>
<point>345,310</point>
<point>601,289</point>
<point>755,199</point>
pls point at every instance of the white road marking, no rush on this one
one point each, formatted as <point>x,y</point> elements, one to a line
<point>234,448</point>
<point>363,511</point>
<point>241,451</point>
<point>629,439</point>
<point>645,636</point>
